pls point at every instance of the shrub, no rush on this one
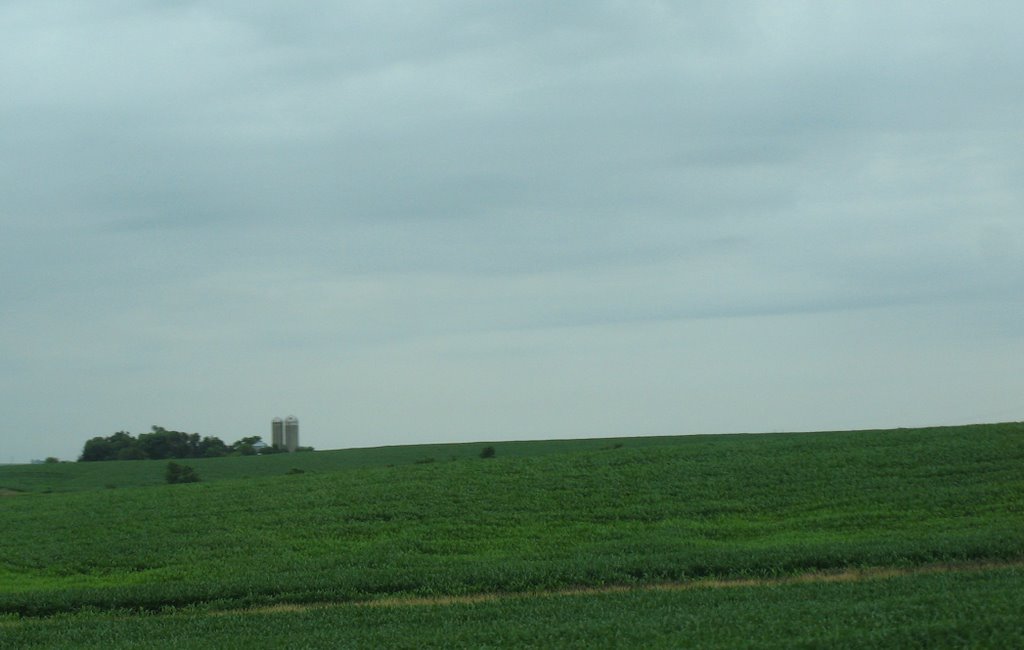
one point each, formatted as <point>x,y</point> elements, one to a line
<point>180,473</point>
<point>487,452</point>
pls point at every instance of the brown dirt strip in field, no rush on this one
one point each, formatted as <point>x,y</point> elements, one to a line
<point>837,576</point>
<point>843,575</point>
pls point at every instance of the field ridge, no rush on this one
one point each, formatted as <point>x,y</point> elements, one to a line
<point>847,575</point>
<point>851,574</point>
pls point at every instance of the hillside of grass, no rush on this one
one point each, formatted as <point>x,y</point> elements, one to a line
<point>73,477</point>
<point>940,610</point>
<point>693,507</point>
<point>77,476</point>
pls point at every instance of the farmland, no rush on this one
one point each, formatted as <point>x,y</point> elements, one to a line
<point>322,531</point>
<point>938,610</point>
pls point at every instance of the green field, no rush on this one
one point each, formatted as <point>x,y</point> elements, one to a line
<point>70,477</point>
<point>108,554</point>
<point>951,610</point>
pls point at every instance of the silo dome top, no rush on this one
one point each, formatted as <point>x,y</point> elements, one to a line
<point>291,419</point>
<point>276,420</point>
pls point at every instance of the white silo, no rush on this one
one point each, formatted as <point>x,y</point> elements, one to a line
<point>291,433</point>
<point>277,433</point>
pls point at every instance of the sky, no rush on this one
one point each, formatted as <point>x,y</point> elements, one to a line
<point>454,221</point>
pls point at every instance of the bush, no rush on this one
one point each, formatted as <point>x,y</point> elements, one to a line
<point>487,452</point>
<point>180,474</point>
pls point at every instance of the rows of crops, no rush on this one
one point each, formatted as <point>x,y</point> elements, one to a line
<point>725,506</point>
<point>936,611</point>
<point>71,477</point>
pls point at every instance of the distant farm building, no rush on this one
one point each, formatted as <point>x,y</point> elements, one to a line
<point>277,433</point>
<point>284,434</point>
<point>291,433</point>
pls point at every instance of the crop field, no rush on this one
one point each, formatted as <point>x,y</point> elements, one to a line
<point>460,550</point>
<point>955,609</point>
<point>72,477</point>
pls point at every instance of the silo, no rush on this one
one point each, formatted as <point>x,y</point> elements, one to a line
<point>277,433</point>
<point>291,433</point>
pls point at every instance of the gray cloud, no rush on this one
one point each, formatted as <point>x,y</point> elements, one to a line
<point>453,220</point>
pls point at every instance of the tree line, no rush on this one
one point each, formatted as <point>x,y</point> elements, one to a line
<point>162,444</point>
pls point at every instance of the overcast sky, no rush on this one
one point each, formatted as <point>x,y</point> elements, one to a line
<point>461,220</point>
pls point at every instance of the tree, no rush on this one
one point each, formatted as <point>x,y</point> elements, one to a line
<point>210,447</point>
<point>162,443</point>
<point>97,448</point>
<point>113,447</point>
<point>244,446</point>
<point>180,473</point>
<point>158,444</point>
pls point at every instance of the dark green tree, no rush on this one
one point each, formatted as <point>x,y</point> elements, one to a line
<point>176,473</point>
<point>210,447</point>
<point>161,443</point>
<point>113,447</point>
<point>244,446</point>
<point>97,448</point>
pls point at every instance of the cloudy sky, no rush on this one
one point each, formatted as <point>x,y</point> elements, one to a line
<point>461,220</point>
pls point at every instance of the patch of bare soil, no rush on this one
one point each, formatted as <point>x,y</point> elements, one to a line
<point>843,575</point>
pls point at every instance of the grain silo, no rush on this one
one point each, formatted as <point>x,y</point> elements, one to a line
<point>277,433</point>
<point>291,433</point>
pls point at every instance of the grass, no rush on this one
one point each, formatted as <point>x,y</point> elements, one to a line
<point>375,524</point>
<point>941,610</point>
<point>75,477</point>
